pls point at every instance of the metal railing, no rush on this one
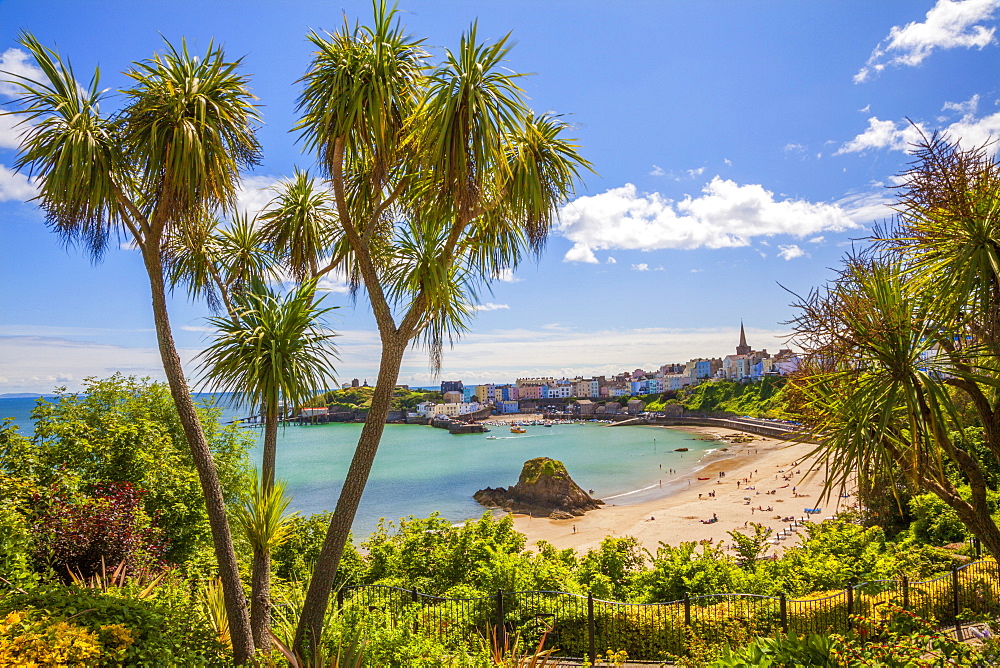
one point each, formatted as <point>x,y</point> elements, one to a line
<point>581,625</point>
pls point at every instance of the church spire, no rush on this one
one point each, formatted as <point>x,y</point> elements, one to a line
<point>743,348</point>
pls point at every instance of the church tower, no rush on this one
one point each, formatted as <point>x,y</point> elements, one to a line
<point>743,348</point>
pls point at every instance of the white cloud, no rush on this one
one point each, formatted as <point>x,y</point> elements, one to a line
<point>18,63</point>
<point>968,107</point>
<point>580,252</point>
<point>255,192</point>
<point>949,24</point>
<point>611,260</point>
<point>10,131</point>
<point>794,148</point>
<point>729,163</point>
<point>490,306</point>
<point>726,215</point>
<point>817,240</point>
<point>868,206</point>
<point>865,109</point>
<point>695,172</point>
<point>15,186</point>
<point>970,130</point>
<point>883,134</point>
<point>790,252</point>
<point>554,351</point>
<point>657,171</point>
<point>640,267</point>
<point>507,276</point>
<point>334,281</point>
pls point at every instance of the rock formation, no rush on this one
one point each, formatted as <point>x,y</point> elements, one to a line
<point>543,490</point>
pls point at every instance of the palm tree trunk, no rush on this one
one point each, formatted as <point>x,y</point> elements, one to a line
<point>236,607</point>
<point>317,598</point>
<point>267,466</point>
<point>260,579</point>
<point>260,598</point>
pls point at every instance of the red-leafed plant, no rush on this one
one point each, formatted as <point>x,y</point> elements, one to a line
<point>81,533</point>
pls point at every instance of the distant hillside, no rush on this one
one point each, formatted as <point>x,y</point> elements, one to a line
<point>765,398</point>
<point>360,398</point>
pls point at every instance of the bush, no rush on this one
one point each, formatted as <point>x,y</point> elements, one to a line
<point>84,535</point>
<point>111,630</point>
<point>124,429</point>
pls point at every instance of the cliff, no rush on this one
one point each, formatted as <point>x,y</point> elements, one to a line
<point>544,489</point>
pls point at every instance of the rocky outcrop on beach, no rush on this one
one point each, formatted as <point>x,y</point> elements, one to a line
<point>544,489</point>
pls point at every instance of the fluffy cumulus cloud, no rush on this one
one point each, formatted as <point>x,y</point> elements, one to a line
<point>726,215</point>
<point>970,128</point>
<point>949,24</point>
<point>14,64</point>
<point>255,192</point>
<point>790,252</point>
<point>15,186</point>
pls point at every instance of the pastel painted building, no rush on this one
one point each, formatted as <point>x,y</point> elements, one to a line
<point>530,391</point>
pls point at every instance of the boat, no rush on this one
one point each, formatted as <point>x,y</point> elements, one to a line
<point>680,449</point>
<point>491,438</point>
<point>704,478</point>
<point>518,430</point>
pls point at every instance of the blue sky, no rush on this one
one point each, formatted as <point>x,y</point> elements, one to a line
<point>740,147</point>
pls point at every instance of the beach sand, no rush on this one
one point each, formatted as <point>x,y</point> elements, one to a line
<point>675,518</point>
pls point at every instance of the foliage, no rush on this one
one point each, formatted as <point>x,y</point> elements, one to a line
<point>113,630</point>
<point>764,398</point>
<point>750,548</point>
<point>934,522</point>
<point>260,515</point>
<point>126,430</point>
<point>15,529</point>
<point>902,346</point>
<point>81,535</point>
<point>894,637</point>
<point>271,349</point>
<point>608,571</point>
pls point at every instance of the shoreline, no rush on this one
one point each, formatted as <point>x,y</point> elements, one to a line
<point>771,469</point>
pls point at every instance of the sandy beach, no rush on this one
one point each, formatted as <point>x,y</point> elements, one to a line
<point>766,472</point>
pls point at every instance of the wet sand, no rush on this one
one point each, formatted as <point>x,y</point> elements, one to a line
<point>751,470</point>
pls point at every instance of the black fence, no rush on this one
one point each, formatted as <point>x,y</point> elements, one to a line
<point>579,626</point>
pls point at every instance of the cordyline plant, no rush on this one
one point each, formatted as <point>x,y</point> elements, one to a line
<point>168,160</point>
<point>442,179</point>
<point>909,334</point>
<point>269,351</point>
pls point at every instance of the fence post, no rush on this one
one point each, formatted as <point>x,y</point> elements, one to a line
<point>340,598</point>
<point>850,605</point>
<point>956,602</point>
<point>416,624</point>
<point>590,628</point>
<point>687,608</point>
<point>906,593</point>
<point>783,603</point>
<point>501,635</point>
<point>978,544</point>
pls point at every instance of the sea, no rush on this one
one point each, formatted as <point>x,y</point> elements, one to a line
<point>420,470</point>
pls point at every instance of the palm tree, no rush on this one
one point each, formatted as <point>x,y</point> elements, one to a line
<point>270,351</point>
<point>169,158</point>
<point>910,333</point>
<point>442,179</point>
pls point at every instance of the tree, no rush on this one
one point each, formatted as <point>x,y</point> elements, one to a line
<point>442,179</point>
<point>908,336</point>
<point>125,429</point>
<point>270,351</point>
<point>170,158</point>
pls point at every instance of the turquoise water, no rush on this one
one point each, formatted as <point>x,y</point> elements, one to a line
<point>420,470</point>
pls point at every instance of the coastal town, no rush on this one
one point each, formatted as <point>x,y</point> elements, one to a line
<point>594,397</point>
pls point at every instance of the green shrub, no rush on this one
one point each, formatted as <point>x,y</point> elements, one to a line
<point>159,632</point>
